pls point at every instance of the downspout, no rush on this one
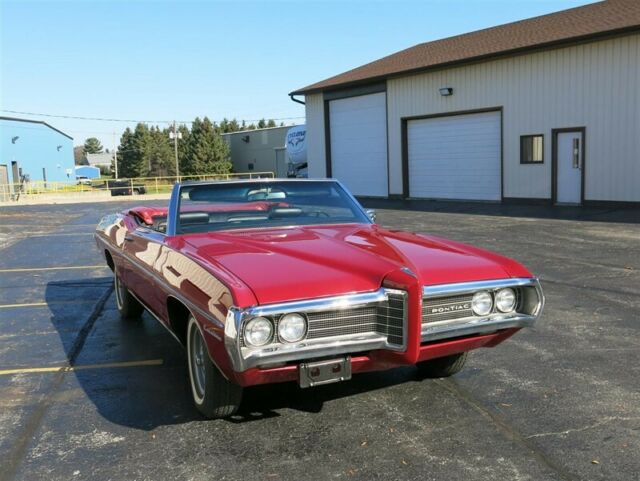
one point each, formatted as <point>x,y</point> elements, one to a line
<point>296,100</point>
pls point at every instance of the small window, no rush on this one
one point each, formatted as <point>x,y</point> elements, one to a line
<point>532,149</point>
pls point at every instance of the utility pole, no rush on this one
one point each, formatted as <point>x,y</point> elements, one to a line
<point>115,153</point>
<point>175,135</point>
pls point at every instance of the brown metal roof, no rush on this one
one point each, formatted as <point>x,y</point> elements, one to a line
<point>581,23</point>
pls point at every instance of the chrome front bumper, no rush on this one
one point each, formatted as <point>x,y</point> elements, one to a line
<point>275,354</point>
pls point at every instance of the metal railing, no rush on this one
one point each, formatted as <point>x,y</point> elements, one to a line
<point>109,186</point>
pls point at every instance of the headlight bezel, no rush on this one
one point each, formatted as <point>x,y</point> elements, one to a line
<point>284,319</point>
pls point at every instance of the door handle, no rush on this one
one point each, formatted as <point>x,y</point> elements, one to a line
<point>128,238</point>
<point>576,153</point>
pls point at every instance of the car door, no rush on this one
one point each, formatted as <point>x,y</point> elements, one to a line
<point>142,247</point>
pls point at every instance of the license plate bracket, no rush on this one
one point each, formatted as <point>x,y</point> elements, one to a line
<point>317,373</point>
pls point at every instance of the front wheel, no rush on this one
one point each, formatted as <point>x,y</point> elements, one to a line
<point>442,366</point>
<point>128,306</point>
<point>213,395</point>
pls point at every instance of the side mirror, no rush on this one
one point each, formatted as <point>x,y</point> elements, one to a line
<point>372,215</point>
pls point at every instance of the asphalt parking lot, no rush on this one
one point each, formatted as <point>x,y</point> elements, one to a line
<point>86,396</point>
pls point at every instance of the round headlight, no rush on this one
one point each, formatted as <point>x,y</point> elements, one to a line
<point>258,331</point>
<point>506,300</point>
<point>292,327</point>
<point>482,303</point>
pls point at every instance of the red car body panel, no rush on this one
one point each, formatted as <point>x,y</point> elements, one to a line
<point>319,261</point>
<point>250,267</point>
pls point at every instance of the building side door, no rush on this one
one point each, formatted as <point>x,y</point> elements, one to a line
<point>569,159</point>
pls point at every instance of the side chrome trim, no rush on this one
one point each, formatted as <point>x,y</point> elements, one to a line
<point>243,358</point>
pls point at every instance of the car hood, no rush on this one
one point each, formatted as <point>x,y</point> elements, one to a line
<point>296,263</point>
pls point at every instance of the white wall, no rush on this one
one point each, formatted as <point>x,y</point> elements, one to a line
<point>259,151</point>
<point>316,157</point>
<point>595,85</point>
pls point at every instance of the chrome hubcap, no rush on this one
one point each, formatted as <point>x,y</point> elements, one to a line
<point>197,361</point>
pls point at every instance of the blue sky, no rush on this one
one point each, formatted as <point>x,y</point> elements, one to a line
<point>163,60</point>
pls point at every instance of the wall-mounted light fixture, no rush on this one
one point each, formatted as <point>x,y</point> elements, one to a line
<point>245,139</point>
<point>14,139</point>
<point>59,147</point>
<point>446,91</point>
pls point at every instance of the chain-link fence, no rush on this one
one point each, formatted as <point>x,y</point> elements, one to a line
<point>113,187</point>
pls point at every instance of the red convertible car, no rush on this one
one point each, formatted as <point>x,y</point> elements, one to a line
<point>267,281</point>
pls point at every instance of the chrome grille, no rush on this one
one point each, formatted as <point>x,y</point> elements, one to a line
<point>342,323</point>
<point>391,317</point>
<point>455,307</point>
<point>386,318</point>
<point>447,308</point>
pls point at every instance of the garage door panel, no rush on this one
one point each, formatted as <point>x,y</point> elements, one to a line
<point>455,157</point>
<point>358,133</point>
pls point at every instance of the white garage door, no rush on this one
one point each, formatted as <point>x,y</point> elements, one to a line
<point>358,132</point>
<point>455,157</point>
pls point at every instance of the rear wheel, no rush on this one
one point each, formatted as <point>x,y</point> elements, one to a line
<point>442,366</point>
<point>213,395</point>
<point>128,306</point>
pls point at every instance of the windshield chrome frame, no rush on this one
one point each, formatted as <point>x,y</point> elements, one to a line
<point>174,203</point>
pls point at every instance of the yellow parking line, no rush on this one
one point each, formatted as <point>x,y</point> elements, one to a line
<point>43,304</point>
<point>67,368</point>
<point>65,268</point>
<point>32,304</point>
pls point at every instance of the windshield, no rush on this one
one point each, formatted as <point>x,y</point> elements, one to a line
<point>238,205</point>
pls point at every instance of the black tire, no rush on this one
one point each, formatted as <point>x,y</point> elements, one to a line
<point>213,395</point>
<point>128,306</point>
<point>443,366</point>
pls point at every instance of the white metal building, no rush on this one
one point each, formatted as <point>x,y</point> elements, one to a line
<point>259,150</point>
<point>546,109</point>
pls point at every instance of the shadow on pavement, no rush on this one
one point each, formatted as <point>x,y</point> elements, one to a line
<point>145,397</point>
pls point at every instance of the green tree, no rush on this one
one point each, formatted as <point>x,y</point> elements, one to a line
<point>227,126</point>
<point>92,146</point>
<point>271,123</point>
<point>234,126</point>
<point>183,149</point>
<point>262,124</point>
<point>158,154</point>
<point>79,157</point>
<point>207,151</point>
<point>131,152</point>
